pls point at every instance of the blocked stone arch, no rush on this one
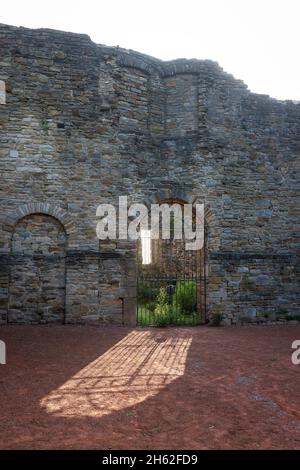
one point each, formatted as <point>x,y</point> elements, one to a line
<point>37,273</point>
<point>213,232</point>
<point>41,208</point>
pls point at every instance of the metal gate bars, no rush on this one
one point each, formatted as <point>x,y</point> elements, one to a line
<point>170,284</point>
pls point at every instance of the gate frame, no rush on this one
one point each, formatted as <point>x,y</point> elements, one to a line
<point>181,197</point>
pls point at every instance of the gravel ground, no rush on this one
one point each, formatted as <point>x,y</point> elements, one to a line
<point>68,387</point>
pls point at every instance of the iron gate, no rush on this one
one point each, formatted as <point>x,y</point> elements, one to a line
<point>171,288</point>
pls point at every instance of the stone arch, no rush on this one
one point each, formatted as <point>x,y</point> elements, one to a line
<point>126,59</point>
<point>41,208</point>
<point>37,279</point>
<point>165,194</point>
<point>172,264</point>
<point>212,232</point>
<point>189,197</point>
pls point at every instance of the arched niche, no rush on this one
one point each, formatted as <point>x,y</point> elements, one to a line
<point>37,270</point>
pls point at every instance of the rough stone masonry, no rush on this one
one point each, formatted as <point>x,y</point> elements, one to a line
<point>83,123</point>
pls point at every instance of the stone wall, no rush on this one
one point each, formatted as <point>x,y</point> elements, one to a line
<point>81,124</point>
<point>37,274</point>
<point>181,116</point>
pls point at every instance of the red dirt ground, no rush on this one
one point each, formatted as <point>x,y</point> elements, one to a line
<point>68,387</point>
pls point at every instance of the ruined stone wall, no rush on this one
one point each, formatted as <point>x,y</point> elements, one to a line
<point>83,123</point>
<point>37,274</point>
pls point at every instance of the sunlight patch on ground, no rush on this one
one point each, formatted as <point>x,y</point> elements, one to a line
<point>136,368</point>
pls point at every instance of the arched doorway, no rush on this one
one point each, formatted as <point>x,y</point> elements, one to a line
<point>37,270</point>
<point>170,279</point>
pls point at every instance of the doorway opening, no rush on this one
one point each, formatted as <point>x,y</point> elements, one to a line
<point>170,282</point>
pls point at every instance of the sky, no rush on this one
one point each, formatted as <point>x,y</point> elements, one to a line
<point>257,41</point>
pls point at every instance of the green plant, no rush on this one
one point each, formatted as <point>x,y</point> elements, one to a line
<point>185,297</point>
<point>216,319</point>
<point>147,293</point>
<point>293,317</point>
<point>162,310</point>
<point>162,298</point>
<point>163,316</point>
<point>150,306</point>
<point>45,125</point>
<point>156,307</point>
